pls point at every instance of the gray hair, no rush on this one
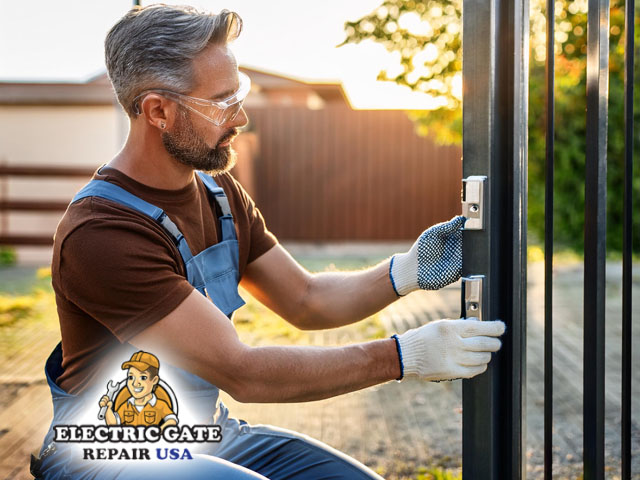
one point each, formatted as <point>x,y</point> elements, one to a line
<point>154,47</point>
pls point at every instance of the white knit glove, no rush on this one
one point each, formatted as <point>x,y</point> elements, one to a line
<point>434,261</point>
<point>448,349</point>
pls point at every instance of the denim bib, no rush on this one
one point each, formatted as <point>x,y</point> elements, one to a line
<point>213,272</point>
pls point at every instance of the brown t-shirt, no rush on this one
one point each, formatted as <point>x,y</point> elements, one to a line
<point>116,271</point>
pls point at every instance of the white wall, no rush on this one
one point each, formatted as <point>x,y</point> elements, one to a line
<point>86,136</point>
<point>66,135</point>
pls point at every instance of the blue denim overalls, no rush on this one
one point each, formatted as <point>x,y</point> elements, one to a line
<point>274,453</point>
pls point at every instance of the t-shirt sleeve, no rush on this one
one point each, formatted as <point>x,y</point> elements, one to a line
<point>122,273</point>
<point>260,238</point>
<point>165,412</point>
<point>119,413</point>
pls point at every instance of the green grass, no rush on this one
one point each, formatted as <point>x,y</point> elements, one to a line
<point>439,474</point>
<point>257,325</point>
<point>401,471</point>
<point>7,255</point>
<point>27,311</point>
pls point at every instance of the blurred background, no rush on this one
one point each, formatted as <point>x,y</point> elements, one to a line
<point>329,154</point>
<point>353,148</point>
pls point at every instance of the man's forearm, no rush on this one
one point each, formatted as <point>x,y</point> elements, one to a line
<point>319,300</point>
<point>300,374</point>
<point>333,299</point>
<point>198,337</point>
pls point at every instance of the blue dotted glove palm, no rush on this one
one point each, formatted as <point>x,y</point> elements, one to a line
<point>434,261</point>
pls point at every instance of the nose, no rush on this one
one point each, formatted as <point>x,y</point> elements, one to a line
<point>241,119</point>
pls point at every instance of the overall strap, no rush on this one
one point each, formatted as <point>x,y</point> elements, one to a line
<point>217,193</point>
<point>109,191</point>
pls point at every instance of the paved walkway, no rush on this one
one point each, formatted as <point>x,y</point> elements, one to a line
<point>568,371</point>
<point>25,403</point>
<point>394,428</point>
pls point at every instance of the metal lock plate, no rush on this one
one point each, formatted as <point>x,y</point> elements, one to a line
<point>473,201</point>
<point>472,294</point>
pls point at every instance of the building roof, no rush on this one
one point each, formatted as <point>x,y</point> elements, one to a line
<point>268,87</point>
<point>329,91</point>
<point>92,92</point>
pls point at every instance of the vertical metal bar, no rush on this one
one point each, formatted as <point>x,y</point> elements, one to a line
<point>495,78</point>
<point>627,240</point>
<point>479,420</point>
<point>595,236</point>
<point>518,16</point>
<point>548,242</point>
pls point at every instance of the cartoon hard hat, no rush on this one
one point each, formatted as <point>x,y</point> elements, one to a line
<point>142,361</point>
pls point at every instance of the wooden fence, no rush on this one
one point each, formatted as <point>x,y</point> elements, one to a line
<point>8,204</point>
<point>336,174</point>
<point>317,175</point>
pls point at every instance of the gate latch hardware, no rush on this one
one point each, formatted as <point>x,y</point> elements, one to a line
<point>473,201</point>
<point>472,294</point>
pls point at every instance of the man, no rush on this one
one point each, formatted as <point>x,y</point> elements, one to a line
<point>142,407</point>
<point>149,256</point>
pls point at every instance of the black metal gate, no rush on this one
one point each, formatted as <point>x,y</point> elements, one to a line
<point>495,73</point>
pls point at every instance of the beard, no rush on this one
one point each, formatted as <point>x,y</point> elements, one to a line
<point>188,148</point>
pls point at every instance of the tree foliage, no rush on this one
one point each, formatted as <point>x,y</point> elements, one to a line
<point>427,36</point>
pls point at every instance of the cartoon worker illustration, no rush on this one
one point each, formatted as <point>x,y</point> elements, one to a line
<point>141,399</point>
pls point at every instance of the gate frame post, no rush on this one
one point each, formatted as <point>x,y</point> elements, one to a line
<point>495,110</point>
<point>595,223</point>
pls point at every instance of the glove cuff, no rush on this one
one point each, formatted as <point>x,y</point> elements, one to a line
<point>403,272</point>
<point>395,338</point>
<point>410,348</point>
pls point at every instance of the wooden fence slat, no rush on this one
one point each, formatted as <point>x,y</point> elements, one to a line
<point>33,205</point>
<point>44,240</point>
<point>344,175</point>
<point>45,171</point>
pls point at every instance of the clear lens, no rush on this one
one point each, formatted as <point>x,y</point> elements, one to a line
<point>218,115</point>
<point>243,90</point>
<point>230,113</point>
<point>219,112</point>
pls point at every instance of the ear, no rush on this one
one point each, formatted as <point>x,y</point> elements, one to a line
<point>157,110</point>
<point>155,380</point>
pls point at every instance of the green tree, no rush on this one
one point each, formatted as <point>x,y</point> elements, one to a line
<point>426,34</point>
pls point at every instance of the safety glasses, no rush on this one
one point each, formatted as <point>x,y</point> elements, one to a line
<point>217,112</point>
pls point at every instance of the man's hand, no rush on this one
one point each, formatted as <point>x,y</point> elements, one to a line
<point>434,261</point>
<point>105,401</point>
<point>449,349</point>
<point>109,415</point>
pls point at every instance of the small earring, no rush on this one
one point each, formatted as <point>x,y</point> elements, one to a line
<point>162,125</point>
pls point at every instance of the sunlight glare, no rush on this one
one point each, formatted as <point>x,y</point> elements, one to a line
<point>411,22</point>
<point>431,52</point>
<point>456,86</point>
